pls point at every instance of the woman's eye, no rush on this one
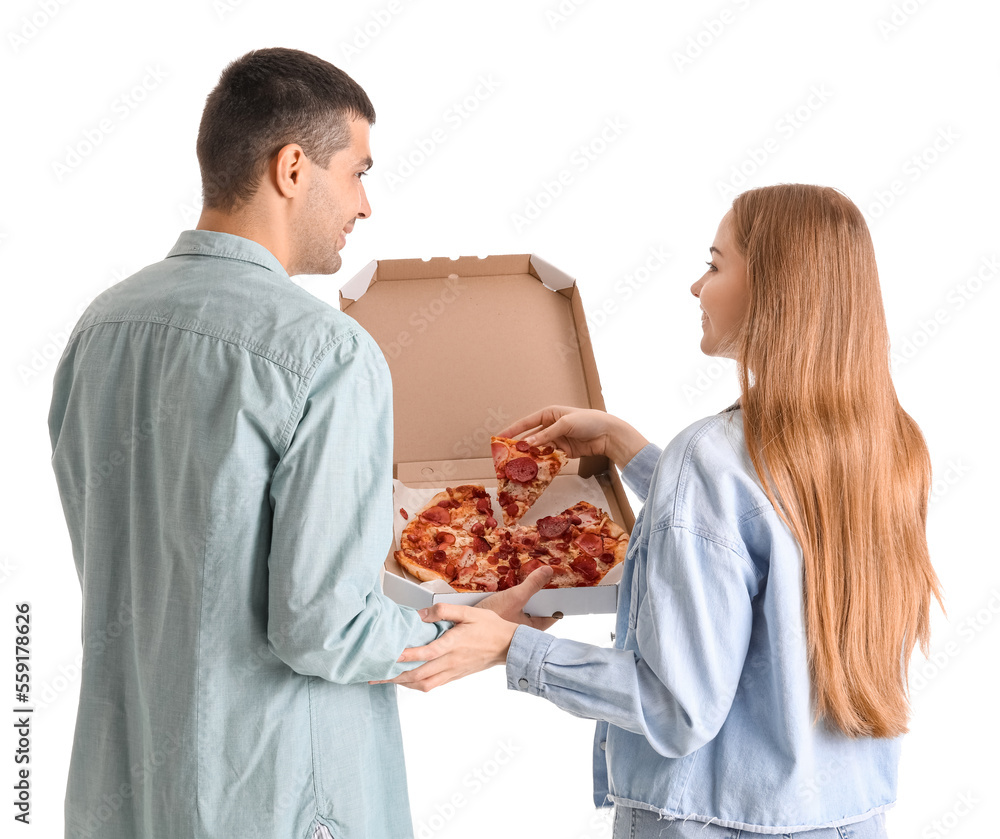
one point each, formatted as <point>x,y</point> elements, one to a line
<point>711,266</point>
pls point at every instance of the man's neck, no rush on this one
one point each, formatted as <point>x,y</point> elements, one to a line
<point>248,225</point>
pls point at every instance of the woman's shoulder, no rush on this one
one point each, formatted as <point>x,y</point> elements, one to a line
<point>705,477</point>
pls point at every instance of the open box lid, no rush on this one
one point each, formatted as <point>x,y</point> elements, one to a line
<point>473,344</point>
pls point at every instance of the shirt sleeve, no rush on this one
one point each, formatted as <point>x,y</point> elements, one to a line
<point>638,472</point>
<point>692,630</point>
<point>331,500</point>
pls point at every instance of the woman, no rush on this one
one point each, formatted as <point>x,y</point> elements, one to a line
<point>777,578</point>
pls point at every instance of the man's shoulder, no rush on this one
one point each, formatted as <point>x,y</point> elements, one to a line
<point>243,303</point>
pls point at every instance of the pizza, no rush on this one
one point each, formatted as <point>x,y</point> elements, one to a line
<point>446,538</point>
<point>523,474</point>
<point>457,539</point>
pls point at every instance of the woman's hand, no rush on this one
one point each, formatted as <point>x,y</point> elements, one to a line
<point>580,432</point>
<point>479,639</point>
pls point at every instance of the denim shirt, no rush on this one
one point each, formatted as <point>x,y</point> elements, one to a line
<point>704,701</point>
<point>222,443</point>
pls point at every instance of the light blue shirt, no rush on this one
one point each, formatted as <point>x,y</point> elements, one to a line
<point>704,702</point>
<point>222,442</point>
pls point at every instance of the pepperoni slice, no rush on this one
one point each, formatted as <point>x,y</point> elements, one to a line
<point>534,451</point>
<point>480,545</point>
<point>515,562</point>
<point>521,469</point>
<point>511,510</point>
<point>444,538</point>
<point>505,499</point>
<point>530,566</point>
<point>404,514</point>
<point>436,515</point>
<point>483,505</point>
<point>440,556</point>
<point>522,446</point>
<point>450,571</point>
<point>477,529</point>
<point>607,558</point>
<point>591,543</point>
<point>552,527</point>
<point>586,567</point>
<point>503,569</point>
<point>446,504</point>
<point>492,560</point>
<point>491,522</point>
<point>575,520</point>
<point>547,451</point>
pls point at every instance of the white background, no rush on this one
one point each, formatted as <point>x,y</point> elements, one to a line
<point>853,94</point>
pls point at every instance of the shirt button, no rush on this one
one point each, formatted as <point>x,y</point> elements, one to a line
<point>522,684</point>
<point>604,745</point>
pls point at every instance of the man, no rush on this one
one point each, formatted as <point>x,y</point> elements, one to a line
<point>222,444</point>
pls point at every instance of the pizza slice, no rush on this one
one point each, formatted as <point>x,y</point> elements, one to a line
<point>523,474</point>
<point>446,539</point>
<point>581,545</point>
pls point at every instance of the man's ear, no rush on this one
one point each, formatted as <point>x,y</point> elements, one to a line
<point>288,169</point>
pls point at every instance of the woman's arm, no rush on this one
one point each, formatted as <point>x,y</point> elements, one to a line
<point>692,625</point>
<point>580,432</point>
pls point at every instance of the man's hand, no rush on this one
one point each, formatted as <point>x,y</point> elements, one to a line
<point>479,639</point>
<point>509,604</point>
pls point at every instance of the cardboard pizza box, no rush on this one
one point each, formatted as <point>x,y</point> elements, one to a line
<point>473,344</point>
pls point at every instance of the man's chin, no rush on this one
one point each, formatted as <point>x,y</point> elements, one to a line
<point>330,265</point>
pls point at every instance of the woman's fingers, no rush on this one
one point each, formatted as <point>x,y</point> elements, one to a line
<point>546,416</point>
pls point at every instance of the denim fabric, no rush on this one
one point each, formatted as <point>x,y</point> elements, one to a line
<point>222,443</point>
<point>704,702</point>
<point>633,823</point>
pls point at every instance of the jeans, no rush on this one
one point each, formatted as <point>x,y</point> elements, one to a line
<point>632,823</point>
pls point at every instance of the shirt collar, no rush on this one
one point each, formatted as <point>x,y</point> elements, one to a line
<point>226,246</point>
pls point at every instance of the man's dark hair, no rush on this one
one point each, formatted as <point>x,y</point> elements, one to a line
<point>264,101</point>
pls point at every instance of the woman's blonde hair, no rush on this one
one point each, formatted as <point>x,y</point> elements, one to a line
<point>843,463</point>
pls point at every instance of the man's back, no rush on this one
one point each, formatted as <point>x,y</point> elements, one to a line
<point>222,444</point>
